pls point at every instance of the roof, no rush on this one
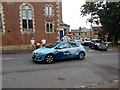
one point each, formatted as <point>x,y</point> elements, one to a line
<point>75,30</point>
<point>81,30</point>
<point>97,28</point>
<point>86,30</point>
<point>63,24</point>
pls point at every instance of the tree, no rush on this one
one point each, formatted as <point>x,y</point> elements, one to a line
<point>107,14</point>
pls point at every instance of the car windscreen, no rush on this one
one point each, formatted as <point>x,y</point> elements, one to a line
<point>98,41</point>
<point>51,45</point>
<point>87,39</point>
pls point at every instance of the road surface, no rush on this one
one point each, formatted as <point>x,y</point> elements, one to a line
<point>20,72</point>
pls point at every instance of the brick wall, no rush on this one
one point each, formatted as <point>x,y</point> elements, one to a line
<point>13,35</point>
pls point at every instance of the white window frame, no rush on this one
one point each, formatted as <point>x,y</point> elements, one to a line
<point>49,27</point>
<point>2,19</point>
<point>49,10</point>
<point>28,29</point>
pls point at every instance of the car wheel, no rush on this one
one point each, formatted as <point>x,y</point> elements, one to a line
<point>81,56</point>
<point>49,59</point>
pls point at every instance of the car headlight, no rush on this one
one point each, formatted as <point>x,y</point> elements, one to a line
<point>41,52</point>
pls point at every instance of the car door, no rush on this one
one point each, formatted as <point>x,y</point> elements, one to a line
<point>62,51</point>
<point>74,50</point>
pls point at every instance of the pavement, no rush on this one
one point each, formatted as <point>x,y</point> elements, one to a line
<point>16,49</point>
<point>22,49</point>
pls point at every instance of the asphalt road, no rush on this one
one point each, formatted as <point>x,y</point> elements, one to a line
<point>20,72</point>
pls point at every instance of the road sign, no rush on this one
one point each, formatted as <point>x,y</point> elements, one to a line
<point>106,36</point>
<point>70,34</point>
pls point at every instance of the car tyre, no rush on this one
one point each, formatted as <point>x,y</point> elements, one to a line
<point>49,59</point>
<point>81,55</point>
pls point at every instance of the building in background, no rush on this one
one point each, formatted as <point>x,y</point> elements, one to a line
<point>64,29</point>
<point>82,33</point>
<point>97,31</point>
<point>20,21</point>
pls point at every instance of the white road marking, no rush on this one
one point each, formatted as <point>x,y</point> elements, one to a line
<point>8,58</point>
<point>92,50</point>
<point>103,54</point>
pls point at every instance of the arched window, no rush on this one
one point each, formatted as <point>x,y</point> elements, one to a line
<point>48,10</point>
<point>27,18</point>
<point>1,25</point>
<point>49,27</point>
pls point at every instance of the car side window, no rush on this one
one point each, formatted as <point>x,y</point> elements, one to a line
<point>64,45</point>
<point>75,44</point>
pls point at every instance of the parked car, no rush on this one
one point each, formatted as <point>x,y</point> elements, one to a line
<point>85,41</point>
<point>98,44</point>
<point>59,50</point>
<point>109,44</point>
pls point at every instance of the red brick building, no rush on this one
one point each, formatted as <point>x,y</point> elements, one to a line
<point>97,30</point>
<point>20,21</point>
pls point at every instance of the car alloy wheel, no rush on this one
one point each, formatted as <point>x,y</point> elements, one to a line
<point>49,59</point>
<point>81,56</point>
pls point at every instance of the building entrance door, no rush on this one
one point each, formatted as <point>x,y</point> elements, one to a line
<point>61,34</point>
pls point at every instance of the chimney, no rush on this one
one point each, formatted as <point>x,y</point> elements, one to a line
<point>79,28</point>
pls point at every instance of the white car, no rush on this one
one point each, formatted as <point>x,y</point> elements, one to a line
<point>85,41</point>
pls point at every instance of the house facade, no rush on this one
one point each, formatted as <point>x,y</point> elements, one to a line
<point>64,29</point>
<point>82,33</point>
<point>20,21</point>
<point>97,30</point>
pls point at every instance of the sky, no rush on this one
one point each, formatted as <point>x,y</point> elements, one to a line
<point>71,14</point>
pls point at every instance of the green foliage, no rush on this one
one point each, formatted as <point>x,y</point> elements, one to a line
<point>88,8</point>
<point>108,15</point>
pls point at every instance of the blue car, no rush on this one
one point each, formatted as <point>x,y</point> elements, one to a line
<point>59,50</point>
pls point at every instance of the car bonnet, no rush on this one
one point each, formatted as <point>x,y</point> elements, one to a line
<point>43,49</point>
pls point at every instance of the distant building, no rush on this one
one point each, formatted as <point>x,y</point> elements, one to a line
<point>82,33</point>
<point>20,21</point>
<point>64,28</point>
<point>97,30</point>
